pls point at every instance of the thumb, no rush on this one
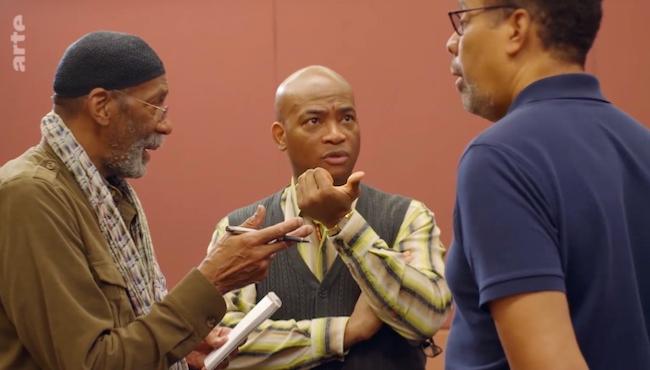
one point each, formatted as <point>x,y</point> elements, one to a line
<point>217,341</point>
<point>256,219</point>
<point>351,187</point>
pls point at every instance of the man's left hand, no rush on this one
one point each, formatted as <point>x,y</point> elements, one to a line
<point>320,200</point>
<point>217,338</point>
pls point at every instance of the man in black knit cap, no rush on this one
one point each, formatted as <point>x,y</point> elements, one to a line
<point>81,288</point>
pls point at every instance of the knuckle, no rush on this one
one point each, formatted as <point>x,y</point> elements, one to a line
<point>248,239</point>
<point>260,256</point>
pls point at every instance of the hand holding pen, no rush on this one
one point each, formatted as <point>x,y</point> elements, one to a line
<point>236,261</point>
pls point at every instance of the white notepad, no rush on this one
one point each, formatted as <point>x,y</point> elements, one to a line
<point>254,318</point>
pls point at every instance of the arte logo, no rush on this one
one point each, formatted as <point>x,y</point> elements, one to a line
<point>16,38</point>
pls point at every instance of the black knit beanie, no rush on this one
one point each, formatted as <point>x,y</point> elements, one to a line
<point>111,60</point>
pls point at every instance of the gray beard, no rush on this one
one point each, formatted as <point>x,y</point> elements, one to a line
<point>132,164</point>
<point>477,102</point>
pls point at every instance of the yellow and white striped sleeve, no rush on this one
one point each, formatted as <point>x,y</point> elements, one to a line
<point>404,282</point>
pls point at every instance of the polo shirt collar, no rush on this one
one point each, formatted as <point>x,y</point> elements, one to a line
<point>563,86</point>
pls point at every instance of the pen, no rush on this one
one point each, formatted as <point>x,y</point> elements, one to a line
<point>236,230</point>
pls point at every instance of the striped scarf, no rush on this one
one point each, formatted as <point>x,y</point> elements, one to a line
<point>134,259</point>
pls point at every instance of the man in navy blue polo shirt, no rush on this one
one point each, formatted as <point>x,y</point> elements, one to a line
<point>550,265</point>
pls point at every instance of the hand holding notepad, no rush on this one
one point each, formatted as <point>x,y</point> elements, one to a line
<point>262,311</point>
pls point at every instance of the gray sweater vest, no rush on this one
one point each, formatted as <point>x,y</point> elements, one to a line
<point>304,297</point>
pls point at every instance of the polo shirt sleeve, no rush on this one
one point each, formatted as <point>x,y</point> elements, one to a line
<point>505,224</point>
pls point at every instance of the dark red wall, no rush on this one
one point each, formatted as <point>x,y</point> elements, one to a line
<point>224,60</point>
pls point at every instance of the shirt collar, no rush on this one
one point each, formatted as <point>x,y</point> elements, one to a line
<point>291,202</point>
<point>564,86</point>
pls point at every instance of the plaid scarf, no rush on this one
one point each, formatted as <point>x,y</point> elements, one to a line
<point>134,259</point>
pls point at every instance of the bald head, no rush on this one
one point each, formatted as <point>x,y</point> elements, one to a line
<point>317,122</point>
<point>306,82</point>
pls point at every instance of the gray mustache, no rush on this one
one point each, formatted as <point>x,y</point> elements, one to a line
<point>154,141</point>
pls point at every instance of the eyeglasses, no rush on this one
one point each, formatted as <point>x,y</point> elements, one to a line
<point>159,114</point>
<point>456,16</point>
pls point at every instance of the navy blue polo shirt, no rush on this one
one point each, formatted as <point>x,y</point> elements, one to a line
<point>555,196</point>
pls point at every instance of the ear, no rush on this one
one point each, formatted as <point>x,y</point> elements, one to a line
<point>98,106</point>
<point>279,135</point>
<point>520,31</point>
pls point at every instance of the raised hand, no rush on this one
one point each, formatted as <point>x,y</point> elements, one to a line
<point>319,199</point>
<point>239,260</point>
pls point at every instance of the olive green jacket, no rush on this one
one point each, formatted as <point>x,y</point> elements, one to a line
<point>63,303</point>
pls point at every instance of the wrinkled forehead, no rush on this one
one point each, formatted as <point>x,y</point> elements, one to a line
<point>158,87</point>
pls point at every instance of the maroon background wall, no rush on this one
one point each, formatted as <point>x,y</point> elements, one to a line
<point>224,60</point>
